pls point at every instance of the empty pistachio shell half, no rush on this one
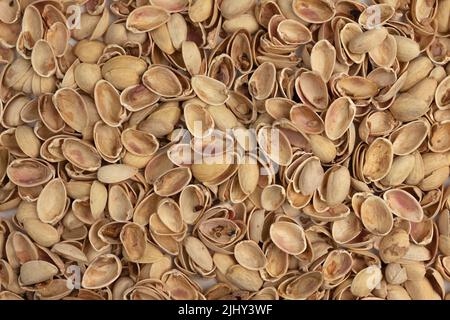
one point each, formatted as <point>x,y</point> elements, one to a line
<point>224,150</point>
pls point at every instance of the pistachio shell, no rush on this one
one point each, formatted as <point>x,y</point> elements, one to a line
<point>338,118</point>
<point>133,239</point>
<point>376,216</point>
<point>44,234</point>
<point>43,59</point>
<point>337,264</point>
<point>101,272</point>
<point>243,278</point>
<point>37,271</point>
<point>249,255</point>
<point>51,203</point>
<point>323,58</point>
<point>115,173</point>
<point>198,253</point>
<point>289,237</point>
<point>378,159</point>
<point>209,90</point>
<point>139,143</point>
<point>28,172</point>
<point>313,11</point>
<point>403,205</point>
<point>366,280</point>
<point>71,108</point>
<point>162,81</point>
<point>81,154</point>
<point>107,101</point>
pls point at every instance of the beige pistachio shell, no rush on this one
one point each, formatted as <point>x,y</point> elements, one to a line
<point>173,181</point>
<point>107,101</point>
<point>209,90</point>
<point>306,119</point>
<point>139,143</point>
<point>339,117</point>
<point>72,108</point>
<point>162,81</point>
<point>146,18</point>
<point>337,264</point>
<point>289,237</point>
<point>394,246</point>
<point>366,280</point>
<point>35,272</point>
<point>313,11</point>
<point>81,154</point>
<point>101,272</point>
<point>42,233</point>
<point>137,97</point>
<point>323,58</point>
<point>275,144</point>
<point>403,205</point>
<point>243,278</point>
<point>115,173</point>
<point>376,216</point>
<point>43,59</point>
<point>28,172</point>
<point>198,253</point>
<point>51,203</point>
<point>249,255</point>
<point>378,159</point>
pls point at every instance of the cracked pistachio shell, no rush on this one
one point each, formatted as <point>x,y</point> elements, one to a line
<point>313,11</point>
<point>133,239</point>
<point>376,216</point>
<point>162,81</point>
<point>27,141</point>
<point>35,272</point>
<point>81,154</point>
<point>312,89</point>
<point>249,255</point>
<point>394,246</point>
<point>172,181</point>
<point>366,280</point>
<point>409,137</point>
<point>272,197</point>
<point>289,237</point>
<point>51,203</point>
<point>243,278</point>
<point>246,21</point>
<point>403,205</point>
<point>139,143</point>
<point>209,90</point>
<point>42,233</point>
<point>115,173</point>
<point>146,18</point>
<point>339,117</point>
<point>378,159</point>
<point>337,264</point>
<point>72,108</point>
<point>293,32</point>
<point>275,144</point>
<point>198,252</point>
<point>86,76</point>
<point>137,97</point>
<point>43,59</point>
<point>323,59</point>
<point>102,272</point>
<point>306,119</point>
<point>107,101</point>
<point>28,172</point>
